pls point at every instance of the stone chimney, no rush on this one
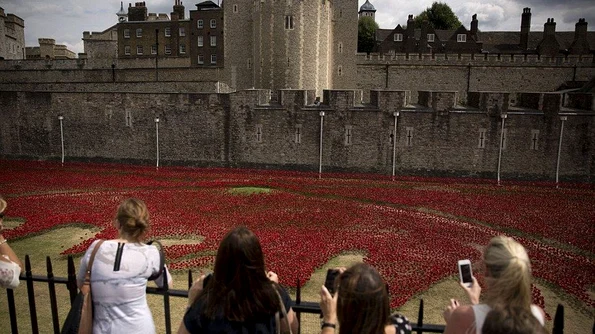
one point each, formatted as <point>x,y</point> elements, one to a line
<point>525,28</point>
<point>580,45</point>
<point>549,45</point>
<point>410,25</point>
<point>410,41</point>
<point>423,37</point>
<point>549,28</point>
<point>474,24</point>
<point>138,12</point>
<point>178,10</point>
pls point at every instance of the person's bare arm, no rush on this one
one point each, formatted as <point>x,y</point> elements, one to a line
<point>182,329</point>
<point>459,319</point>
<point>6,250</point>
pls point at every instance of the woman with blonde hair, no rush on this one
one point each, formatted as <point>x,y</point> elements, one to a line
<point>10,265</point>
<point>120,271</point>
<point>508,281</point>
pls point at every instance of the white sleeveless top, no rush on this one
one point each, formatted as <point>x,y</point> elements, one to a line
<point>480,311</point>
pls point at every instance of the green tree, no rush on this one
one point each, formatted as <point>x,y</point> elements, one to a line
<point>439,16</point>
<point>366,34</point>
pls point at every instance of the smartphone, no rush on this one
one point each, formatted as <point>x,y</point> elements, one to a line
<point>329,282</point>
<point>465,274</point>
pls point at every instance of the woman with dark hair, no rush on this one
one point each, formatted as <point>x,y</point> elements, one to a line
<point>240,296</point>
<point>120,272</point>
<point>360,304</point>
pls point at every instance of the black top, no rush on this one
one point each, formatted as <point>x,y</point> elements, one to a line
<point>196,322</point>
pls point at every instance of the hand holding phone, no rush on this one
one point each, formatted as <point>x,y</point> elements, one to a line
<point>329,282</point>
<point>465,273</point>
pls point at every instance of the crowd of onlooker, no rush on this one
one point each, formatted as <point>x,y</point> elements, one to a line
<point>241,296</point>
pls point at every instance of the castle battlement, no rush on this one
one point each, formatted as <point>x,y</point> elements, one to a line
<point>473,59</point>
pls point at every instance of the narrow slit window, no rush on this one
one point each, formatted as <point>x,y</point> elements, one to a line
<point>482,138</point>
<point>298,134</point>
<point>259,133</point>
<point>289,22</point>
<point>409,136</point>
<point>348,135</point>
<point>128,118</point>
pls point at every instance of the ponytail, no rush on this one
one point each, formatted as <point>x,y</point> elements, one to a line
<point>133,217</point>
<point>509,274</point>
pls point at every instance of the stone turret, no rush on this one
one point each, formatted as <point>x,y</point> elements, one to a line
<point>367,9</point>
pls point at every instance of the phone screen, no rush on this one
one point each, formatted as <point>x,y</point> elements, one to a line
<point>466,273</point>
<point>329,282</point>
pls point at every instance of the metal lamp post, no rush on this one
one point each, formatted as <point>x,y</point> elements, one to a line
<point>503,116</point>
<point>157,138</point>
<point>563,119</point>
<point>320,151</point>
<point>61,118</point>
<point>396,115</point>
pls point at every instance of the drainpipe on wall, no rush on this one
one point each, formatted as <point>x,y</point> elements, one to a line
<point>61,118</point>
<point>157,138</point>
<point>386,80</point>
<point>562,119</point>
<point>320,151</point>
<point>503,116</point>
<point>396,115</point>
<point>157,55</point>
<point>468,78</point>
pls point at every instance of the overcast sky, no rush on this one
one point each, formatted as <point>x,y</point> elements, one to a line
<point>65,20</point>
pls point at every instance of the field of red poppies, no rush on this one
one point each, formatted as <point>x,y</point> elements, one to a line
<point>413,230</point>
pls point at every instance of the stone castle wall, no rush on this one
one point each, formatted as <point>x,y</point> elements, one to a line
<point>518,73</point>
<point>242,129</point>
<point>459,73</point>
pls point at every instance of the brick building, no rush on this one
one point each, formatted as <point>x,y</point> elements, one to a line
<point>470,41</point>
<point>147,35</point>
<point>12,36</point>
<point>207,30</point>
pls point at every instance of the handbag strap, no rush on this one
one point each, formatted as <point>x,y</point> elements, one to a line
<point>284,312</point>
<point>161,260</point>
<point>90,264</point>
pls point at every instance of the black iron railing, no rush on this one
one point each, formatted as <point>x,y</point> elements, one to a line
<point>299,307</point>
